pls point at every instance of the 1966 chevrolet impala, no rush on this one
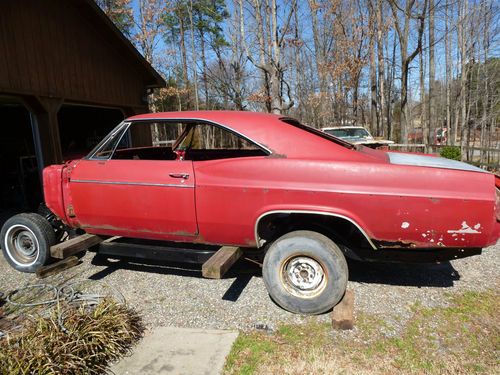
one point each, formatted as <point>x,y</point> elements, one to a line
<point>306,199</point>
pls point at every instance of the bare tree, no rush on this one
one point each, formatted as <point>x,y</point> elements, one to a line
<point>403,32</point>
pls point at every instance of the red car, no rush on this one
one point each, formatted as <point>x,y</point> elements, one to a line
<point>267,183</point>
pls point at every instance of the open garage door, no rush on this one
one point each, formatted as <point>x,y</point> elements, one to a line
<point>80,129</point>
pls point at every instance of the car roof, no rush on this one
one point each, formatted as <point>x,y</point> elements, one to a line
<point>265,129</point>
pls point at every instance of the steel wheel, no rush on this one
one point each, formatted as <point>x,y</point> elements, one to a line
<point>305,272</point>
<point>303,276</point>
<point>22,245</point>
<point>26,240</point>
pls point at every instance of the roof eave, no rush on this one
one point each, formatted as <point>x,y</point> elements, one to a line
<point>158,80</point>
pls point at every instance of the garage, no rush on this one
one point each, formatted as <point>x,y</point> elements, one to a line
<point>67,76</point>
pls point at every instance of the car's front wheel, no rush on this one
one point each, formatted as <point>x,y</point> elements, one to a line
<point>305,272</point>
<point>26,240</point>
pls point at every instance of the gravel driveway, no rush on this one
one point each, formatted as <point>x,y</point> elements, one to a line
<point>167,295</point>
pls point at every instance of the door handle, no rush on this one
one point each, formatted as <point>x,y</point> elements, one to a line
<point>185,176</point>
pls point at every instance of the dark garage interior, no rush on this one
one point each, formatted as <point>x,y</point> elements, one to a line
<point>20,187</point>
<point>82,127</point>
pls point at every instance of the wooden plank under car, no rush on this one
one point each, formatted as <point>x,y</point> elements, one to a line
<point>218,264</point>
<point>74,245</point>
<point>57,267</point>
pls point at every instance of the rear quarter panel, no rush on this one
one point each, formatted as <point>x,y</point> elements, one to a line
<point>395,205</point>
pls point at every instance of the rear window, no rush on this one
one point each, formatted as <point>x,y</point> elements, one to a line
<point>319,133</point>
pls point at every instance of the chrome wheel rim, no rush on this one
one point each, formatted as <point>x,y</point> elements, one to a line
<point>303,276</point>
<point>21,245</point>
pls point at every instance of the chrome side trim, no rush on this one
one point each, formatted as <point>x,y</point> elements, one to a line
<point>131,183</point>
<point>257,239</point>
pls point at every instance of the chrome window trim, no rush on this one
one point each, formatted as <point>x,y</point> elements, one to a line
<point>168,120</point>
<point>119,128</point>
<point>208,122</point>
<point>131,183</point>
<point>257,238</point>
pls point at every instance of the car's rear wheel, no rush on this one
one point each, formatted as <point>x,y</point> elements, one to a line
<point>305,272</point>
<point>26,240</point>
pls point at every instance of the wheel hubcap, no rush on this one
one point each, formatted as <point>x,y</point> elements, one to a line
<point>25,243</point>
<point>22,245</point>
<point>304,276</point>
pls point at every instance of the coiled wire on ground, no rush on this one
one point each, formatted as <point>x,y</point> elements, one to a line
<point>73,294</point>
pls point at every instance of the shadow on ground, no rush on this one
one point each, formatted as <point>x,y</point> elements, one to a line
<point>242,271</point>
<point>403,274</point>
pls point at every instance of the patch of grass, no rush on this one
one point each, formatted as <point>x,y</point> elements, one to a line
<point>71,340</point>
<point>462,338</point>
<point>247,352</point>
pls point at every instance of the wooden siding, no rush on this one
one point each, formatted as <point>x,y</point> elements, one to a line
<point>64,49</point>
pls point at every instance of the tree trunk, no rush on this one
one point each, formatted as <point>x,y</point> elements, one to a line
<point>381,70</point>
<point>320,62</point>
<point>432,76</point>
<point>183,52</point>
<point>374,123</point>
<point>406,58</point>
<point>463,47</point>
<point>448,73</point>
<point>424,127</point>
<point>204,63</point>
<point>262,52</point>
<point>193,52</point>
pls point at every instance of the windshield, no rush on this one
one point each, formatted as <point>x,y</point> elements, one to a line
<point>348,133</point>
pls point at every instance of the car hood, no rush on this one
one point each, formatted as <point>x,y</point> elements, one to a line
<point>430,161</point>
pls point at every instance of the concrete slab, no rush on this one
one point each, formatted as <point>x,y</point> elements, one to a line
<point>170,350</point>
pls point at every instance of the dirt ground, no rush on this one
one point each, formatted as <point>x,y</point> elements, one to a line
<point>176,295</point>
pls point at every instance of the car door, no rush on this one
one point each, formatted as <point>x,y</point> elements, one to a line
<point>145,198</point>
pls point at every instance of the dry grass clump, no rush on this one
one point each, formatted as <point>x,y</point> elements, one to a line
<point>71,340</point>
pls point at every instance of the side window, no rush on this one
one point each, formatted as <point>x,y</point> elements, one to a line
<point>193,141</point>
<point>149,141</point>
<point>209,142</point>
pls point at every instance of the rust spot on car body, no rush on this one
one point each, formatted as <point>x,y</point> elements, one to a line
<point>70,211</point>
<point>394,244</point>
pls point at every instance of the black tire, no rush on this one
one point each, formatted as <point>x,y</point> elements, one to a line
<point>305,272</point>
<point>26,240</point>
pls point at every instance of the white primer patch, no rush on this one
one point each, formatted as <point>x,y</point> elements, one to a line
<point>405,224</point>
<point>466,229</point>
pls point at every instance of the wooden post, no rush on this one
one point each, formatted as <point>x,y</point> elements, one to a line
<point>44,111</point>
<point>343,313</point>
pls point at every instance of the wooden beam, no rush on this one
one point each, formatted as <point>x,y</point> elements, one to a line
<point>75,245</point>
<point>343,313</point>
<point>220,262</point>
<point>57,267</point>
